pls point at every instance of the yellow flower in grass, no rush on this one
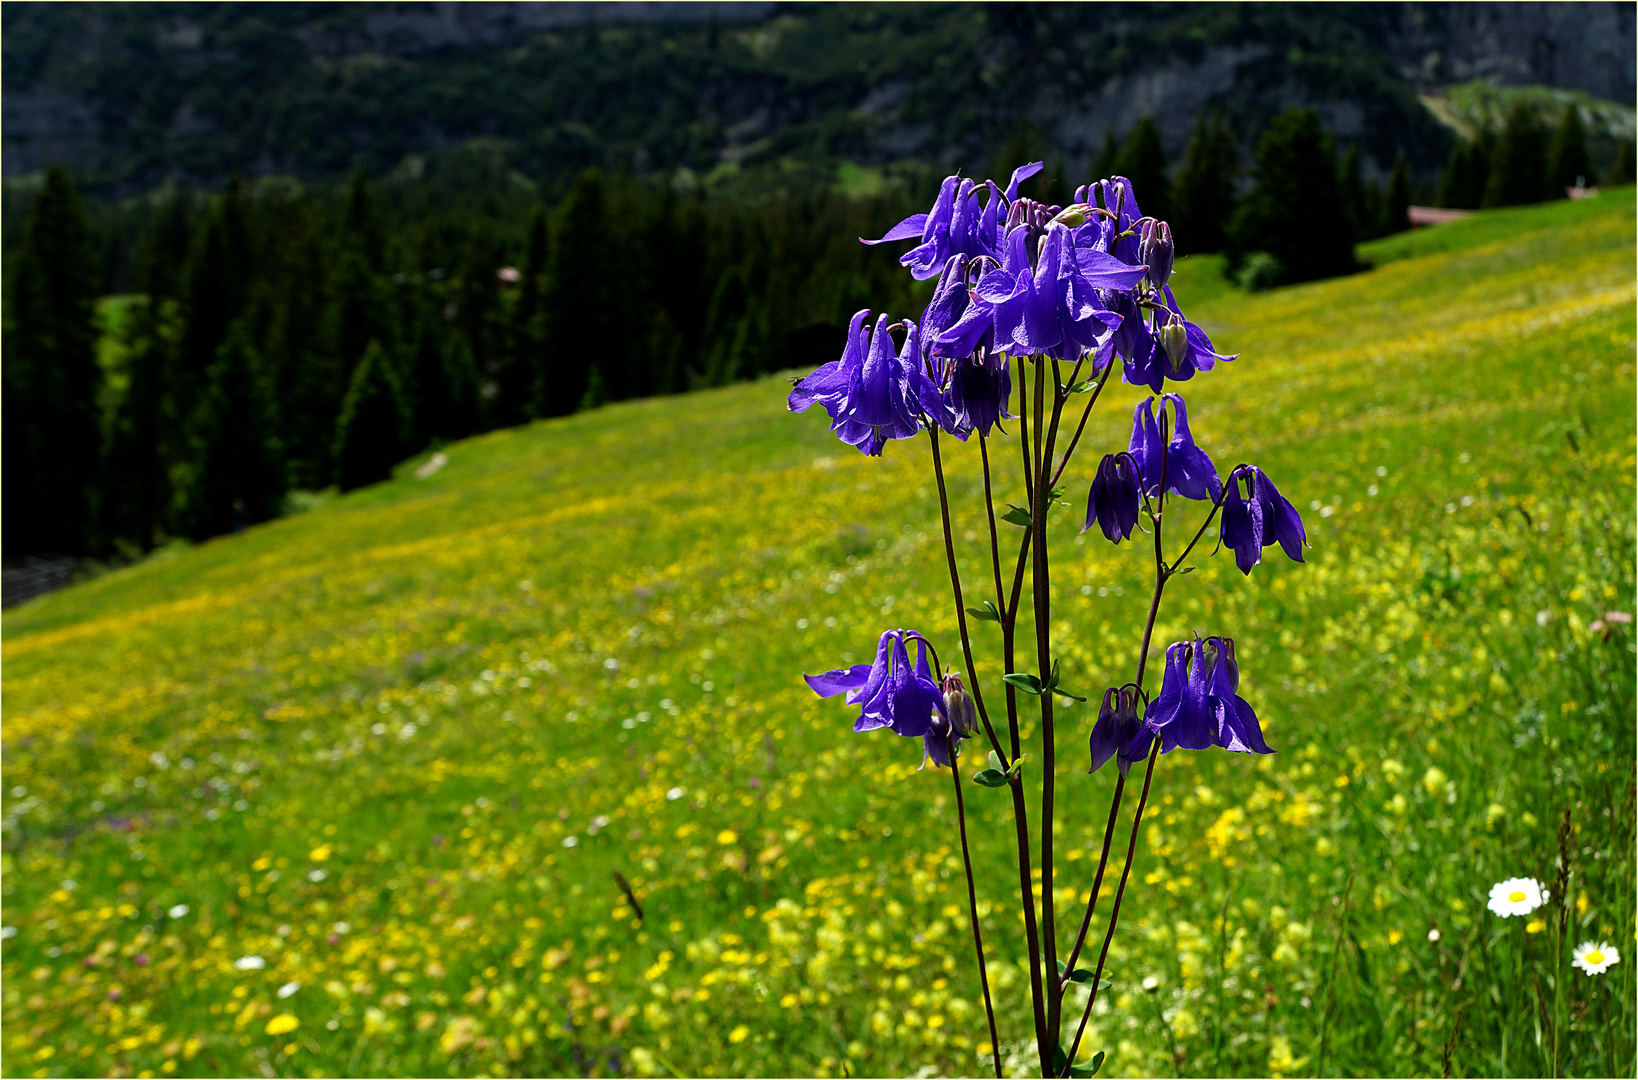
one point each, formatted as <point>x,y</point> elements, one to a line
<point>1595,957</point>
<point>282,1024</point>
<point>739,1034</point>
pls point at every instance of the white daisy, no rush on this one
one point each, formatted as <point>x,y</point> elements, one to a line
<point>1595,957</point>
<point>1516,896</point>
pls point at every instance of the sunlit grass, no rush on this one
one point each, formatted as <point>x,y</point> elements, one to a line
<point>397,746</point>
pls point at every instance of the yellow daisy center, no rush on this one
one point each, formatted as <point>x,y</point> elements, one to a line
<point>1595,957</point>
<point>1517,896</point>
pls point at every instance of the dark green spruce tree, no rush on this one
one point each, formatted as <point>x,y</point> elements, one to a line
<point>519,369</point>
<point>1295,213</point>
<point>52,426</point>
<point>1394,216</point>
<point>136,497</point>
<point>1466,174</point>
<point>1359,201</point>
<point>237,473</point>
<point>1204,197</point>
<point>1625,167</point>
<point>581,305</point>
<point>1143,161</point>
<point>1567,157</point>
<point>214,293</point>
<point>1103,165</point>
<point>1518,166</point>
<point>372,430</point>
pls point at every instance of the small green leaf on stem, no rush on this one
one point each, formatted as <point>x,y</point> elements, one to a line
<point>1024,681</point>
<point>987,613</point>
<point>990,778</point>
<point>1080,1072</point>
<point>1016,515</point>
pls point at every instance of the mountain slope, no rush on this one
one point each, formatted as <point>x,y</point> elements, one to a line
<point>397,746</point>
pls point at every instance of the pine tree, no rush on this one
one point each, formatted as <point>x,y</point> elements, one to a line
<point>1355,197</point>
<point>1567,161</point>
<point>1624,168</point>
<point>581,306</point>
<point>1518,166</point>
<point>1204,198</point>
<point>237,475</point>
<point>371,431</point>
<point>1295,213</point>
<point>52,426</point>
<point>1143,161</point>
<point>519,371</point>
<point>1466,174</point>
<point>135,474</point>
<point>1395,212</point>
<point>213,294</point>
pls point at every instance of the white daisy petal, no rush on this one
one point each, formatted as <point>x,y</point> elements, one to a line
<point>1516,896</point>
<point>1595,957</point>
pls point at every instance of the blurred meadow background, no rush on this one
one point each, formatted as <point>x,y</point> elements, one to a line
<point>473,739</point>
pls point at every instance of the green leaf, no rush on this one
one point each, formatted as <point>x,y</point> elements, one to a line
<point>1017,515</point>
<point>1083,387</point>
<point>990,778</point>
<point>1029,684</point>
<point>1066,694</point>
<point>1082,1071</point>
<point>996,763</point>
<point>1056,494</point>
<point>987,613</point>
<point>1080,975</point>
<point>1018,763</point>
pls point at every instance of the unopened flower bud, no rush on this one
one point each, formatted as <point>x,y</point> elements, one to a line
<point>963,713</point>
<point>1155,249</point>
<point>1073,216</point>
<point>1174,338</point>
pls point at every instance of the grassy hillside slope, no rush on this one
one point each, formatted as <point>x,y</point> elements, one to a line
<point>397,747</point>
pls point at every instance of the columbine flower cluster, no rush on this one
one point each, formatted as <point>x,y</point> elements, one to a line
<point>1068,291</point>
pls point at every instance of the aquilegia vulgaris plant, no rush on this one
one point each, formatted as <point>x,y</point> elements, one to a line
<point>1051,298</point>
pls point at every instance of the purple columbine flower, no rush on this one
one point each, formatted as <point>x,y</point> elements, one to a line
<point>1119,731</point>
<point>957,223</point>
<point>1178,349</point>
<point>1259,518</point>
<point>891,692</point>
<point>975,385</point>
<point>1113,501</point>
<point>871,394</point>
<point>1189,472</point>
<point>1199,705</point>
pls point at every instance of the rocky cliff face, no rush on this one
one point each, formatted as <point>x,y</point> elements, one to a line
<point>128,96</point>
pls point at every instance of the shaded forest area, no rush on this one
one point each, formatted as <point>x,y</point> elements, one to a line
<point>179,363</point>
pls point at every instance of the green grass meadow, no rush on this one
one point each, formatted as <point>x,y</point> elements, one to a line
<point>347,794</point>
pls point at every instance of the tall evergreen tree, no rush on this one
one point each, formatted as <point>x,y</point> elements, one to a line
<point>1466,174</point>
<point>237,475</point>
<point>1143,161</point>
<point>1624,168</point>
<point>136,492</point>
<point>519,370</point>
<point>1204,197</point>
<point>52,426</point>
<point>1395,212</point>
<point>1567,158</point>
<point>372,428</point>
<point>214,293</point>
<point>1518,166</point>
<point>1295,212</point>
<point>1356,198</point>
<point>582,309</point>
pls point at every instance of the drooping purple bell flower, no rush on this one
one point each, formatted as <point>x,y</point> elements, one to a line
<point>1257,517</point>
<point>1119,731</point>
<point>1199,705</point>
<point>871,393</point>
<point>1113,501</point>
<point>891,692</point>
<point>1189,472</point>
<point>975,385</point>
<point>1179,349</point>
<point>956,224</point>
